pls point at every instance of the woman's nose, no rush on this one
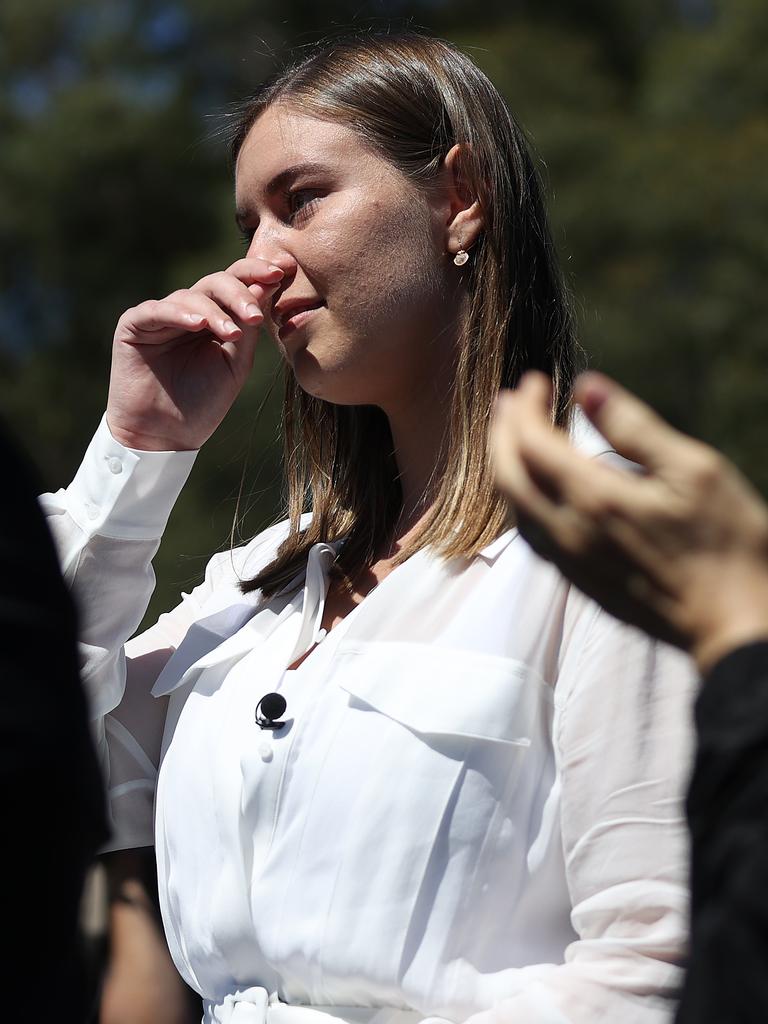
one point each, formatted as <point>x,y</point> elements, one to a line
<point>269,249</point>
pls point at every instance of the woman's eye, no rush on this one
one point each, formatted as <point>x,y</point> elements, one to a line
<point>301,203</point>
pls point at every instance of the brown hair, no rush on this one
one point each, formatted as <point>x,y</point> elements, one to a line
<point>411,98</point>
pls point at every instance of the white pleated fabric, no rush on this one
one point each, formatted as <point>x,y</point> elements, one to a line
<point>473,811</point>
<point>256,1006</point>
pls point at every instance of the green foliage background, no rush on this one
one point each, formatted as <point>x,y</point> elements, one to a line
<point>650,119</point>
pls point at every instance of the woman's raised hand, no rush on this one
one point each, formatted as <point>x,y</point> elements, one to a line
<point>178,363</point>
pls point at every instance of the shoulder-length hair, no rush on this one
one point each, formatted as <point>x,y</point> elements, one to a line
<point>411,98</point>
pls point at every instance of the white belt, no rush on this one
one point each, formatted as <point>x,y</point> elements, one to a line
<point>257,1006</point>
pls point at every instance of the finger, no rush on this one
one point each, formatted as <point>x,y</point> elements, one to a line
<point>603,558</point>
<point>560,539</point>
<point>530,502</point>
<point>530,401</point>
<point>232,295</point>
<point>546,452</point>
<point>626,594</point>
<point>256,270</point>
<point>631,426</point>
<point>241,353</point>
<point>592,512</point>
<point>263,295</point>
<point>524,411</point>
<point>555,532</point>
<point>559,468</point>
<point>502,441</point>
<point>159,317</point>
<point>580,504</point>
<point>535,390</point>
<point>578,501</point>
<point>155,314</point>
<point>218,318</point>
<point>601,569</point>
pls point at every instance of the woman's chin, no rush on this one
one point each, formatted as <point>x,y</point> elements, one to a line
<point>331,381</point>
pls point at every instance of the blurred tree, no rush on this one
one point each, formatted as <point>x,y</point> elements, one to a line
<point>683,313</point>
<point>660,194</point>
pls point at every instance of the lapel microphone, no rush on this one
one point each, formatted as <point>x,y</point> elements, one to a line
<point>272,705</point>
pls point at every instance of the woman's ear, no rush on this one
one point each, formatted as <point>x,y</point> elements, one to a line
<point>464,217</point>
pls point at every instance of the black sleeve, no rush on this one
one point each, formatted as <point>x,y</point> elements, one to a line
<point>727,979</point>
<point>52,802</point>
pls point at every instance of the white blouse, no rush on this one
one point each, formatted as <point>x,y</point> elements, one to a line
<point>472,812</point>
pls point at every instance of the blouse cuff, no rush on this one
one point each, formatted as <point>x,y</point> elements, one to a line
<point>123,493</point>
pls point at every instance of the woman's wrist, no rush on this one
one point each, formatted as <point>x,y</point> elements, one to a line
<point>741,622</point>
<point>144,441</point>
<point>123,493</point>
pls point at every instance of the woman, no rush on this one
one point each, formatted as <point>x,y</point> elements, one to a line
<point>471,803</point>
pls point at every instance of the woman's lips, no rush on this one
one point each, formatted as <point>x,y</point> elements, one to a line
<point>298,319</point>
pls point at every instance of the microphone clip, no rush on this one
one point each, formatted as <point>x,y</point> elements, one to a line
<point>269,709</point>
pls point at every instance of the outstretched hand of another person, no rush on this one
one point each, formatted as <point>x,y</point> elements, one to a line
<point>178,363</point>
<point>679,549</point>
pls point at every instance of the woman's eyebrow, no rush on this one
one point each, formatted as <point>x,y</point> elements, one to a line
<point>281,181</point>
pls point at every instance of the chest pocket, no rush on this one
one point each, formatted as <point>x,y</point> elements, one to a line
<point>427,790</point>
<point>437,692</point>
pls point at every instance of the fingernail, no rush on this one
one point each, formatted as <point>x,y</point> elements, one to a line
<point>252,309</point>
<point>275,270</point>
<point>195,318</point>
<point>230,328</point>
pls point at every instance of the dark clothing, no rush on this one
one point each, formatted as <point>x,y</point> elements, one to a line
<point>727,981</point>
<point>53,813</point>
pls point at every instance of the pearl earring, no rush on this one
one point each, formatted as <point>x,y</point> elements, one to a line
<point>461,258</point>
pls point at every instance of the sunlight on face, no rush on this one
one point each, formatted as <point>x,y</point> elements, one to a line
<point>366,286</point>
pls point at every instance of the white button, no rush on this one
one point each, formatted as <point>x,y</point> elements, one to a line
<point>115,466</point>
<point>265,752</point>
<point>92,510</point>
<point>321,635</point>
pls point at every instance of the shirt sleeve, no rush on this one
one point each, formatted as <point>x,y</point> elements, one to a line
<point>728,816</point>
<point>107,527</point>
<point>622,742</point>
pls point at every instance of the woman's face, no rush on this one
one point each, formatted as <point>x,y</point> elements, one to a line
<point>364,313</point>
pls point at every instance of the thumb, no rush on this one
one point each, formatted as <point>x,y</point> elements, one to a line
<point>631,426</point>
